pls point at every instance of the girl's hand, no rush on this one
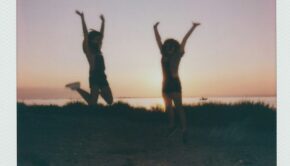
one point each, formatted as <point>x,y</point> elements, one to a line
<point>79,13</point>
<point>102,17</point>
<point>195,24</point>
<point>156,24</point>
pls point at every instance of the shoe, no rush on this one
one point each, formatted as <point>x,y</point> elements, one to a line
<point>185,137</point>
<point>171,132</point>
<point>73,86</point>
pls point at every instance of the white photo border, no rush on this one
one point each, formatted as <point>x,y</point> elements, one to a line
<point>283,81</point>
<point>8,137</point>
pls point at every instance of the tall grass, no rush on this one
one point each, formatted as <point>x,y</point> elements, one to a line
<point>255,116</point>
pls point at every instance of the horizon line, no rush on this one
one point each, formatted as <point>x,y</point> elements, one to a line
<point>128,97</point>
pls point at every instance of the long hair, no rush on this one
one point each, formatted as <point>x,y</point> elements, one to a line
<point>91,36</point>
<point>170,43</point>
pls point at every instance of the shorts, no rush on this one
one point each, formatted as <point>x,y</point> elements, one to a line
<point>98,81</point>
<point>171,85</point>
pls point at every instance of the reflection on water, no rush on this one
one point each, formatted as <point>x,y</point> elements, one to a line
<point>149,102</point>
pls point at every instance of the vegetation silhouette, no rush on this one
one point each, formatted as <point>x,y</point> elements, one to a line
<point>76,133</point>
<point>257,116</point>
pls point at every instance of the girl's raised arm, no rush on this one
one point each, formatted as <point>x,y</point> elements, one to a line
<point>85,30</point>
<point>157,36</point>
<point>103,25</point>
<point>182,45</point>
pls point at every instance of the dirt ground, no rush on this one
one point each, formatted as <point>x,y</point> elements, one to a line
<point>52,139</point>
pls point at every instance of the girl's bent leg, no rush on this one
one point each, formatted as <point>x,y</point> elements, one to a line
<point>89,98</point>
<point>85,95</point>
<point>94,96</point>
<point>106,94</point>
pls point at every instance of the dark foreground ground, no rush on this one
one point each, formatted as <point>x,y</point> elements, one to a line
<point>76,135</point>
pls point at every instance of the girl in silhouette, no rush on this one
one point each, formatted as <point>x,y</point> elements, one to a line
<point>99,85</point>
<point>172,53</point>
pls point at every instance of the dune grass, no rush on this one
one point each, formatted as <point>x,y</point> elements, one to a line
<point>255,116</point>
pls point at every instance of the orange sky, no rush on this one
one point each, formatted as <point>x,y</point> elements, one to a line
<point>233,52</point>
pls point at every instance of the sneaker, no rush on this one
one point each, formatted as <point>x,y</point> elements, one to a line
<point>185,137</point>
<point>171,132</point>
<point>73,86</point>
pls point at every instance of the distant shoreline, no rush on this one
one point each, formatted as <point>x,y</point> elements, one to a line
<point>151,102</point>
<point>130,97</point>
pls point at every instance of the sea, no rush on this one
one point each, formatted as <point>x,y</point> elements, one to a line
<point>158,102</point>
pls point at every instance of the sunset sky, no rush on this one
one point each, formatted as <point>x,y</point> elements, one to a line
<point>232,53</point>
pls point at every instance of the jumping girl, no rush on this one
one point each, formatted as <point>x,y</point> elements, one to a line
<point>92,45</point>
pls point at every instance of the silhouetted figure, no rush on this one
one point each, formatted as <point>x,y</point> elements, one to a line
<point>92,45</point>
<point>172,53</point>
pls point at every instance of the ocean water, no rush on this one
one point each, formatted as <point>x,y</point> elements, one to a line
<point>151,102</point>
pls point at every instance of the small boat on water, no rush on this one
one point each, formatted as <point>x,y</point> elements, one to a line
<point>203,99</point>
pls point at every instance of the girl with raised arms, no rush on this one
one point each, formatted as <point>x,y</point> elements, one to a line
<point>99,85</point>
<point>172,53</point>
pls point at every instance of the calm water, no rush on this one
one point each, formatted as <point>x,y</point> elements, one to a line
<point>149,102</point>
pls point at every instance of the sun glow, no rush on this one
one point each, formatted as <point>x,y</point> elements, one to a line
<point>154,80</point>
